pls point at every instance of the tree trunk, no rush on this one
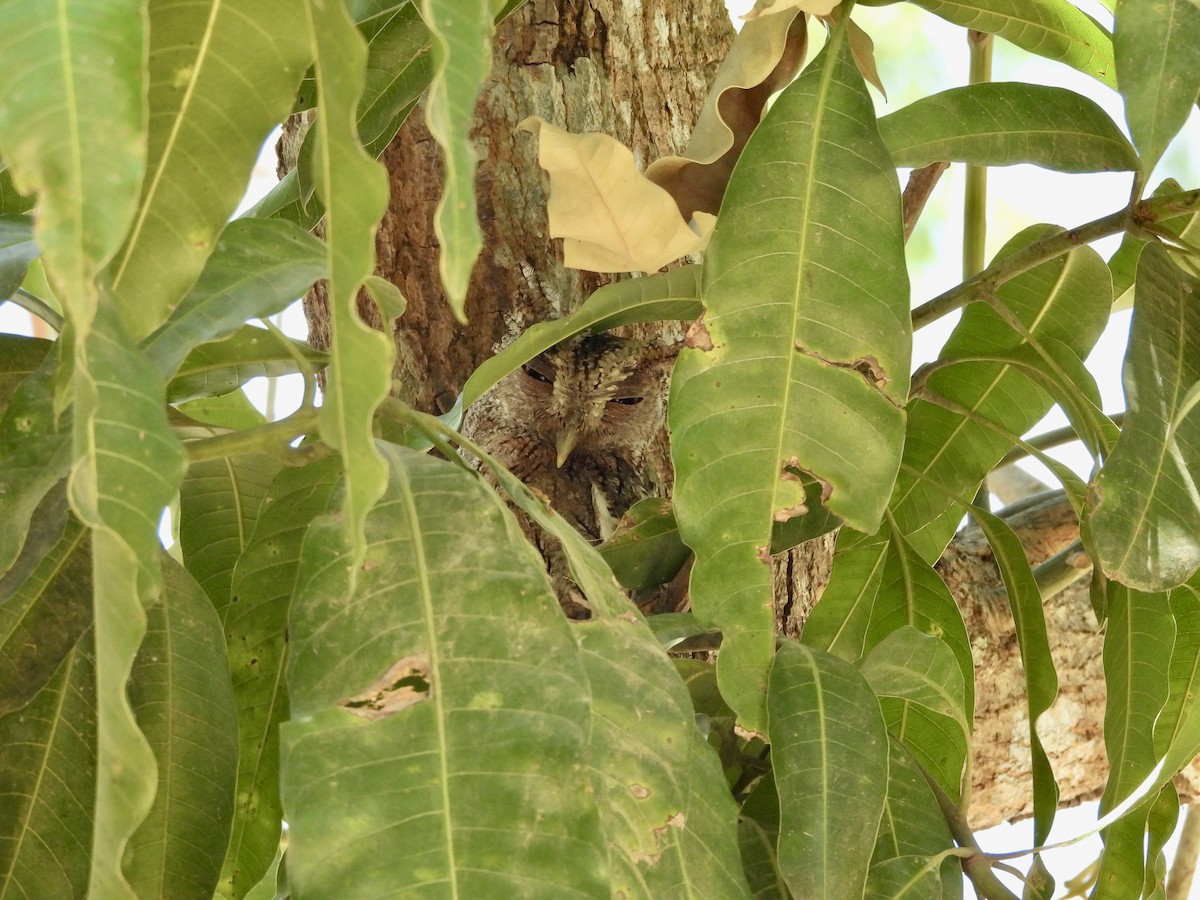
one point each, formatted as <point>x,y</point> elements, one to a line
<point>640,72</point>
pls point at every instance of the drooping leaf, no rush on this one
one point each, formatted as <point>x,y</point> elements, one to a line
<point>1157,45</point>
<point>48,780</point>
<point>1137,653</point>
<point>256,270</point>
<point>353,188</point>
<point>829,752</point>
<point>655,298</point>
<point>1005,123</point>
<point>44,602</point>
<point>221,76</point>
<point>179,689</point>
<point>462,57</point>
<point>223,366</point>
<point>802,355</point>
<point>1143,514</point>
<point>418,705</point>
<point>1054,29</point>
<point>256,633</point>
<point>1066,299</point>
<point>17,250</point>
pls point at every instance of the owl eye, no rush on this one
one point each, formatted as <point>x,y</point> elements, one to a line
<point>535,374</point>
<point>627,401</point>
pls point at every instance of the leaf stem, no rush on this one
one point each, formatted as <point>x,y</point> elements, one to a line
<point>36,306</point>
<point>975,197</point>
<point>273,439</point>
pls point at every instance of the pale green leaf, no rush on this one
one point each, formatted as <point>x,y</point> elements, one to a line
<point>654,298</point>
<point>223,366</point>
<point>72,113</point>
<point>1066,299</point>
<point>222,74</point>
<point>257,269</point>
<point>48,781</point>
<point>808,335</point>
<point>1157,44</point>
<point>17,250</point>
<point>387,297</point>
<point>179,690</point>
<point>840,621</point>
<point>425,693</point>
<point>1137,652</point>
<point>918,668</point>
<point>462,57</point>
<point>353,188</point>
<point>1054,29</point>
<point>1006,123</point>
<point>829,751</point>
<point>1143,514</point>
<point>256,631</point>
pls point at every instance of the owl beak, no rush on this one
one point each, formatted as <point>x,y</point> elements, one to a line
<point>566,442</point>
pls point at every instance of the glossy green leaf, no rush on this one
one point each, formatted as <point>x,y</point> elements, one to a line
<point>829,751</point>
<point>430,675</point>
<point>1037,662</point>
<point>1054,29</point>
<point>44,602</point>
<point>1143,514</point>
<point>257,269</point>
<point>256,628</point>
<point>221,76</point>
<point>48,781</point>
<point>353,188</point>
<point>179,689</point>
<point>1066,299</point>
<point>654,298</point>
<point>1005,123</point>
<point>72,114</point>
<point>1137,653</point>
<point>250,352</point>
<point>1157,45</point>
<point>462,57</point>
<point>219,503</point>
<point>645,550</point>
<point>17,250</point>
<point>807,331</point>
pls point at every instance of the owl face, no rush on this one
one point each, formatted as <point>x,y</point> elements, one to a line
<point>594,393</point>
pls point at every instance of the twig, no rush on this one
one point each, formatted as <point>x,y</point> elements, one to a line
<point>921,183</point>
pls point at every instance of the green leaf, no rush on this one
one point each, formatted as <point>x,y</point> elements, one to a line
<point>462,57</point>
<point>353,188</point>
<point>219,503</point>
<point>202,55</point>
<point>12,202</point>
<point>654,298</point>
<point>1037,662</point>
<point>256,633</point>
<point>450,676</point>
<point>1157,45</point>
<point>905,878</point>
<point>839,623</point>
<point>20,357</point>
<point>75,133</point>
<point>223,366</point>
<point>179,690</point>
<point>48,780</point>
<point>44,602</point>
<point>809,334</point>
<point>17,250</point>
<point>1005,123</point>
<point>918,668</point>
<point>1137,652</point>
<point>829,751</point>
<point>1051,28</point>
<point>645,550</point>
<point>257,269</point>
<point>947,453</point>
<point>1143,514</point>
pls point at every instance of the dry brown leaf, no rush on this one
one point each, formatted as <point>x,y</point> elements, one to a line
<point>764,58</point>
<point>812,7</point>
<point>611,218</point>
<point>862,48</point>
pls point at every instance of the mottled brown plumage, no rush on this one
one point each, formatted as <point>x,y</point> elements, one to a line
<point>579,424</point>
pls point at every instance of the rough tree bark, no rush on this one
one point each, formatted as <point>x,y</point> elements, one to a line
<point>640,71</point>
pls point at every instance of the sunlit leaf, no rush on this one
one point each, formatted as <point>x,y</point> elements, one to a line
<point>1005,123</point>
<point>829,752</point>
<point>839,623</point>
<point>805,352</point>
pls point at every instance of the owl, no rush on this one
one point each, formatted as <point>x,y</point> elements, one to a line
<point>582,424</point>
